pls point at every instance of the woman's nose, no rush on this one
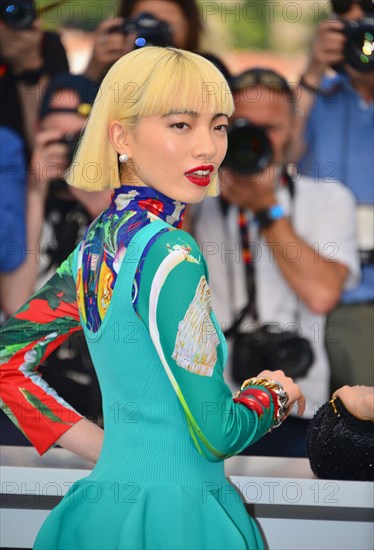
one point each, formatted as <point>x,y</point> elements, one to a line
<point>204,146</point>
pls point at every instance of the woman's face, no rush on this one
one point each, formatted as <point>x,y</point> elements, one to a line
<point>170,12</point>
<point>176,154</point>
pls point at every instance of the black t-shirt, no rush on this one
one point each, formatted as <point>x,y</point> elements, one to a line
<point>55,62</point>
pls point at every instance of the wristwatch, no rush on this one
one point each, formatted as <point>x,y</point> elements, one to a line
<point>265,218</point>
<point>309,87</point>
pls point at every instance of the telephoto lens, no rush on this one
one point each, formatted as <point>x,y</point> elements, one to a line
<point>249,148</point>
<point>18,14</point>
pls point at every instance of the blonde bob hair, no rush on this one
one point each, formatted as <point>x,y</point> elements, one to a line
<point>146,82</point>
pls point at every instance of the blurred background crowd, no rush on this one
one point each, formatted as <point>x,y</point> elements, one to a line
<point>289,243</point>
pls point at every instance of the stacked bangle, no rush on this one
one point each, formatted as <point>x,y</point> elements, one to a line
<point>280,397</point>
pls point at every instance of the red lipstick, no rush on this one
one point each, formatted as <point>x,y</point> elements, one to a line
<point>200,175</point>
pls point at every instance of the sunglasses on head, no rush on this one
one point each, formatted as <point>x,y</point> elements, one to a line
<point>342,6</point>
<point>261,77</point>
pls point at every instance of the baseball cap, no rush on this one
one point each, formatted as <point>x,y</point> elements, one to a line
<point>85,88</point>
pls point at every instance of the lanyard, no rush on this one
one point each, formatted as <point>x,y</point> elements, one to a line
<point>248,263</point>
<point>243,226</point>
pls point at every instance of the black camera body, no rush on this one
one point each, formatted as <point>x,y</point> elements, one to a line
<point>71,141</point>
<point>149,31</point>
<point>18,14</point>
<point>359,48</point>
<point>249,148</point>
<point>269,348</point>
<point>65,214</point>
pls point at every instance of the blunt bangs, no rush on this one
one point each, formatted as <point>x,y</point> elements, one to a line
<point>182,83</point>
<point>151,81</point>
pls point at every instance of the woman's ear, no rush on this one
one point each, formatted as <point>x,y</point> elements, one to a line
<point>119,138</point>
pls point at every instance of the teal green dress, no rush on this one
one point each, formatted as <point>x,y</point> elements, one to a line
<point>170,420</point>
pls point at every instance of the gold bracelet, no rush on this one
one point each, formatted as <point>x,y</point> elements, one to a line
<point>275,387</point>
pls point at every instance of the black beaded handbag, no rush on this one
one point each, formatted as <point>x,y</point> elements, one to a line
<point>339,445</point>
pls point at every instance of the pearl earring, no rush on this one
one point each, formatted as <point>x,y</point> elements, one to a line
<point>123,158</point>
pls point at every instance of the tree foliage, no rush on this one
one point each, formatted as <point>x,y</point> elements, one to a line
<point>82,14</point>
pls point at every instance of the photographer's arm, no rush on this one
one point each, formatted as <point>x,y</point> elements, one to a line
<point>318,281</point>
<point>21,49</point>
<point>327,50</point>
<point>18,285</point>
<point>108,48</point>
<point>48,162</point>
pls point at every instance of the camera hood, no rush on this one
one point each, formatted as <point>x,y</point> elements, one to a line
<point>149,31</point>
<point>359,48</point>
<point>249,148</point>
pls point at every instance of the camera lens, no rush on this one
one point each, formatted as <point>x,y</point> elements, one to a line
<point>364,44</point>
<point>359,50</point>
<point>18,14</point>
<point>149,31</point>
<point>249,149</point>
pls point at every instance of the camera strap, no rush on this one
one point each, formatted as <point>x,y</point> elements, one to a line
<point>251,307</point>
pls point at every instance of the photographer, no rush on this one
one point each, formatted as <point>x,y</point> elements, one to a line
<point>29,58</point>
<point>175,23</point>
<point>57,217</point>
<point>280,249</point>
<point>337,141</point>
<point>57,214</point>
<point>13,171</point>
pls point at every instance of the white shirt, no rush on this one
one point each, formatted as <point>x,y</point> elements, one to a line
<point>323,215</point>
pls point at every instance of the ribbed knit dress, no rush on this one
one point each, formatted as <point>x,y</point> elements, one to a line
<point>138,288</point>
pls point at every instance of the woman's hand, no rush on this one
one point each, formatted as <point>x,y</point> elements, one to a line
<point>293,390</point>
<point>358,400</point>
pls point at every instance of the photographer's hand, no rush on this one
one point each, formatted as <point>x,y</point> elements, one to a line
<point>316,280</point>
<point>292,389</point>
<point>255,192</point>
<point>49,161</point>
<point>22,48</point>
<point>327,50</point>
<point>108,48</point>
